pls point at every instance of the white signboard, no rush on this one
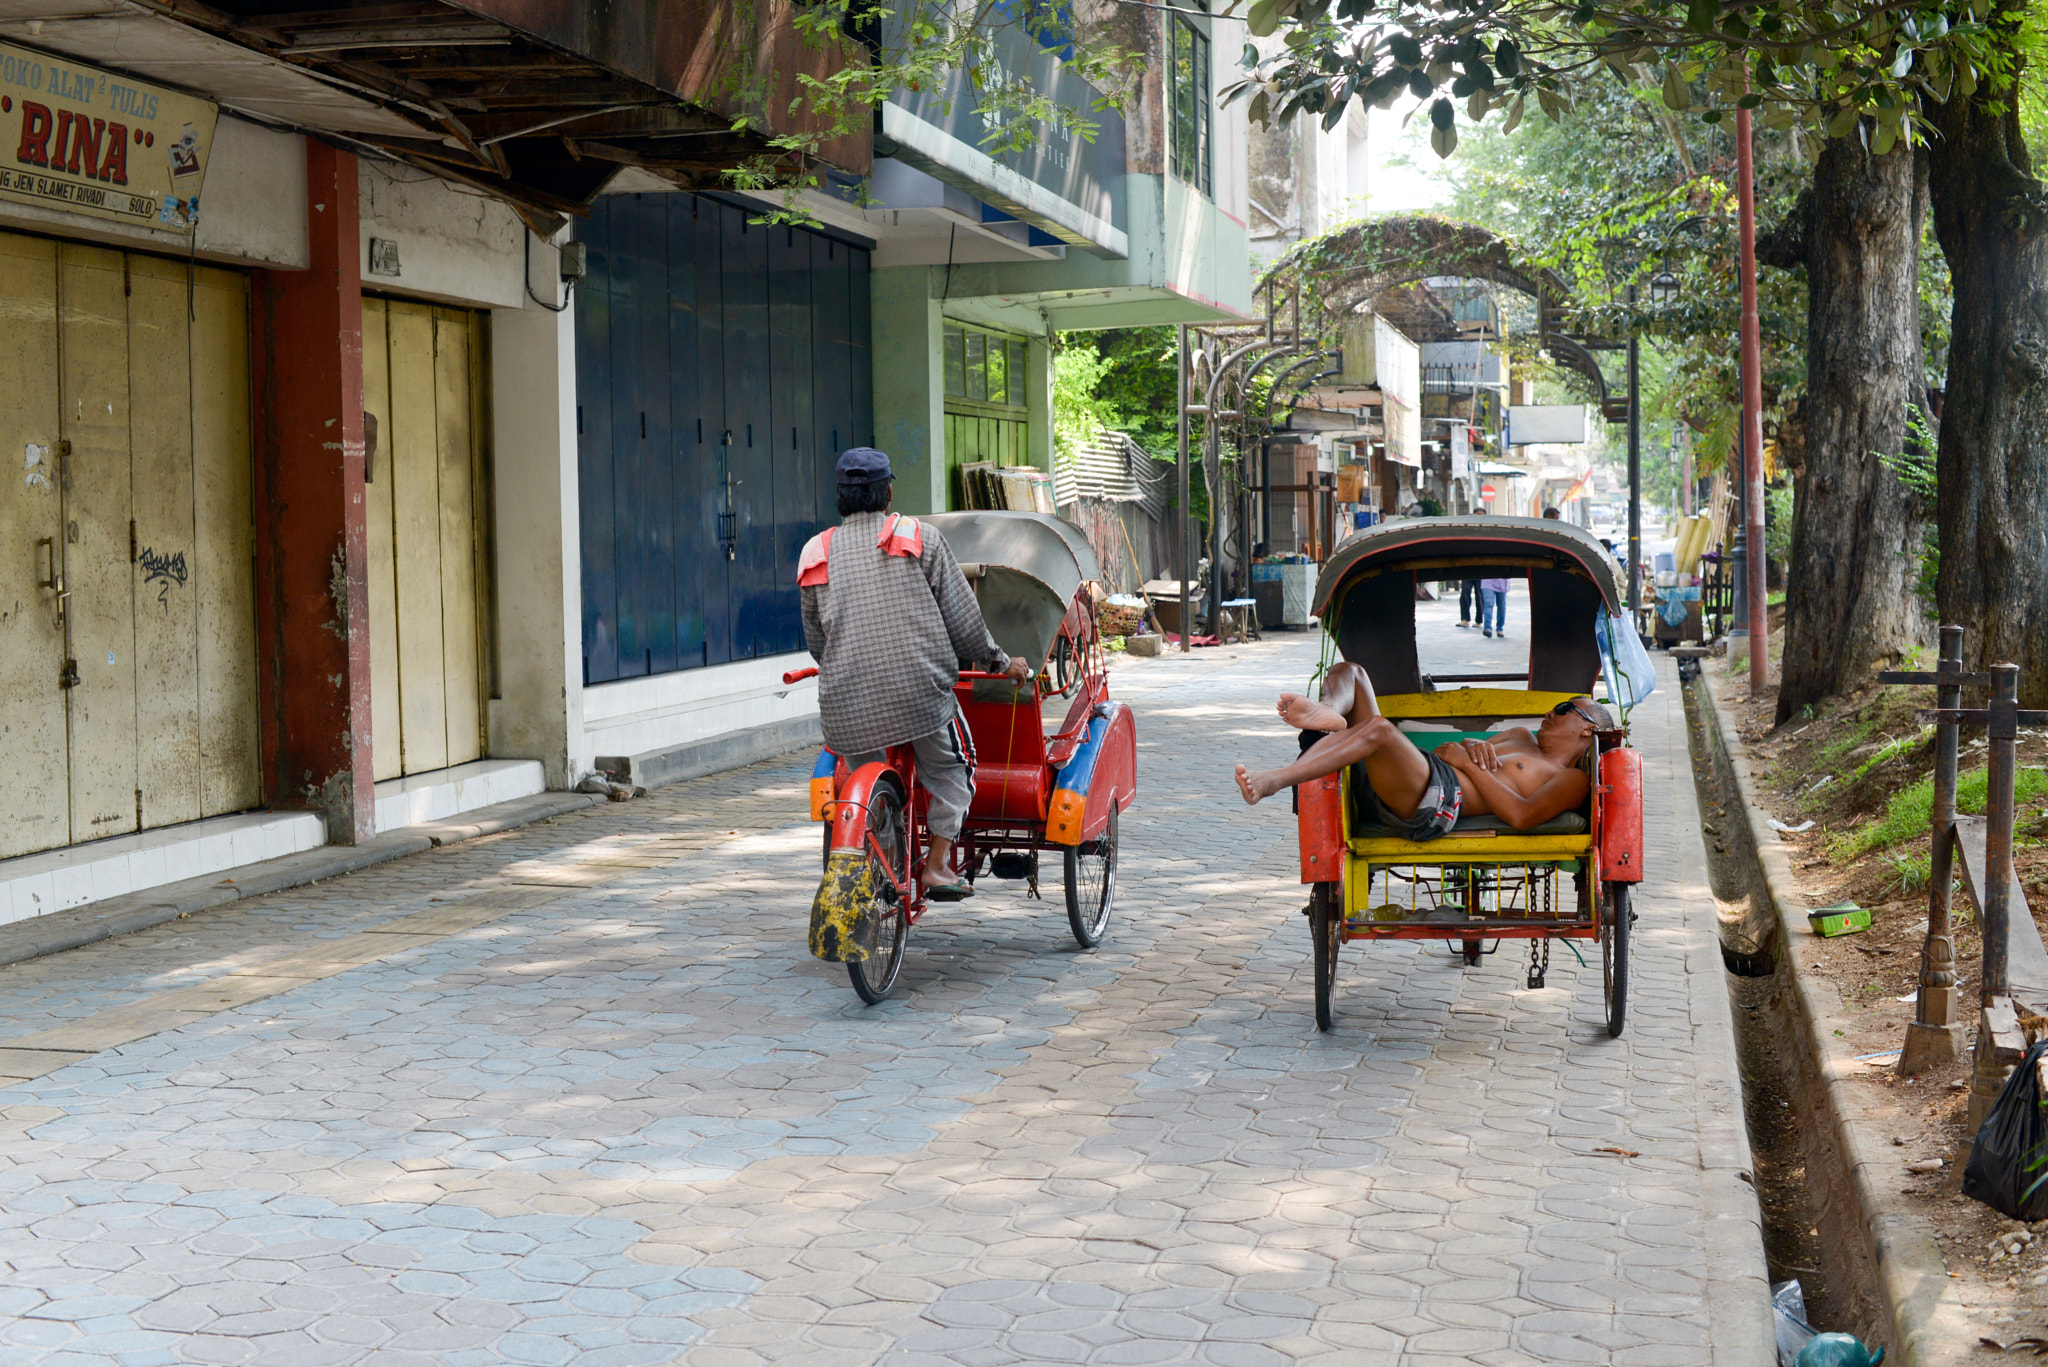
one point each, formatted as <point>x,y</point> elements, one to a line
<point>1461,450</point>
<point>1529,423</point>
<point>101,144</point>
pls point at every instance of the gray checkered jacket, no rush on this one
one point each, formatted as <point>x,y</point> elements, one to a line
<point>890,631</point>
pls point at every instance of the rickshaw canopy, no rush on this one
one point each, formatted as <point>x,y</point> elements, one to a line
<point>1365,595</point>
<point>1025,569</point>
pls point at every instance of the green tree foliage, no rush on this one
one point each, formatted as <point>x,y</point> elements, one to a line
<point>1079,409</point>
<point>1626,191</point>
<point>1123,379</point>
<point>1832,63</point>
<point>1142,381</point>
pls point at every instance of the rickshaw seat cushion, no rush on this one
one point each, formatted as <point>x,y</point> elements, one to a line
<point>1571,823</point>
<point>1431,740</point>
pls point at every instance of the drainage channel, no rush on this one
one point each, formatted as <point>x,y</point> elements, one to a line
<point>1812,1229</point>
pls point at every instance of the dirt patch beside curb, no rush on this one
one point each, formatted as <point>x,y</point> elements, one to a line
<point>1885,1257</point>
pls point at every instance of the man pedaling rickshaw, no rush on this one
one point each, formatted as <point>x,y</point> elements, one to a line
<point>1525,778</point>
<point>891,621</point>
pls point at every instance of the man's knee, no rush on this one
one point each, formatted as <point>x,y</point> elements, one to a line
<point>1379,733</point>
<point>947,781</point>
<point>1340,680</point>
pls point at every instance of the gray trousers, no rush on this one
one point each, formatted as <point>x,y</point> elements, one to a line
<point>945,770</point>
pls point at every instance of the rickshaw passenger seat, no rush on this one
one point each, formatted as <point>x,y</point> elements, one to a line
<point>1362,826</point>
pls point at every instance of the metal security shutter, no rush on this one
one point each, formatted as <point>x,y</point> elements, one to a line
<point>721,366</point>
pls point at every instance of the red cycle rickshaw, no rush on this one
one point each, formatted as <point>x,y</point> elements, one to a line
<point>1483,880</point>
<point>1033,792</point>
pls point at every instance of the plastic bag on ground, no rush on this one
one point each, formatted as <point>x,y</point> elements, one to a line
<point>1788,1314</point>
<point>1838,1350</point>
<point>2008,1169</point>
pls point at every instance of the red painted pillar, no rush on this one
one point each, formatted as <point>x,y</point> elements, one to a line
<point>312,598</point>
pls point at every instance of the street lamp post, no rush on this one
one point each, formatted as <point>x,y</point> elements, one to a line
<point>1755,605</point>
<point>1663,289</point>
<point>1635,473</point>
<point>1187,519</point>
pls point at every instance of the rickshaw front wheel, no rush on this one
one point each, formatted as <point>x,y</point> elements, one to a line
<point>885,927</point>
<point>1326,928</point>
<point>1091,885</point>
<point>1614,956</point>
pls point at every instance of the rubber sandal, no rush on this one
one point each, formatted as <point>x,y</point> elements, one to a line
<point>949,892</point>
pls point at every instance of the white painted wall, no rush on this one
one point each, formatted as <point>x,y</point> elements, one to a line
<point>635,716</point>
<point>538,713</point>
<point>1230,167</point>
<point>1342,169</point>
<point>253,205</point>
<point>455,246</point>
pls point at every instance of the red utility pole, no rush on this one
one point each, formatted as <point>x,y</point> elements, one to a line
<point>1752,412</point>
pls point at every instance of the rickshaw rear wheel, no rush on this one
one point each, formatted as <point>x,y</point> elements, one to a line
<point>1091,885</point>
<point>1614,956</point>
<point>885,929</point>
<point>1326,928</point>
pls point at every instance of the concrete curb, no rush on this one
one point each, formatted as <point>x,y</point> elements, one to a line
<point>1738,1285</point>
<point>715,754</point>
<point>62,930</point>
<point>502,816</point>
<point>1929,1326</point>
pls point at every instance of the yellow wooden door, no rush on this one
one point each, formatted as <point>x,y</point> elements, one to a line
<point>92,345</point>
<point>386,755</point>
<point>128,385</point>
<point>422,383</point>
<point>35,809</point>
<point>165,606</point>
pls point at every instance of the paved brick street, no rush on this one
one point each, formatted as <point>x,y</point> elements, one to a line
<point>577,1094</point>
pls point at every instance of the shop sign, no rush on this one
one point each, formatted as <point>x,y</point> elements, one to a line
<point>91,142</point>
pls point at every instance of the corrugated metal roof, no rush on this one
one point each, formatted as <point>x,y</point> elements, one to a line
<point>1114,469</point>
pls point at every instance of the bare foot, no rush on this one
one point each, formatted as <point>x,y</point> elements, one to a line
<point>1253,786</point>
<point>1306,714</point>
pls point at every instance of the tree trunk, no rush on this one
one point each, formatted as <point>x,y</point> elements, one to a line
<point>1991,216</point>
<point>1849,606</point>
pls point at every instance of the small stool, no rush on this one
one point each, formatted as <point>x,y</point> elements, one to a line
<point>1240,615</point>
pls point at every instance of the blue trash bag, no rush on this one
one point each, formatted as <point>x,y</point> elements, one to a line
<point>1837,1350</point>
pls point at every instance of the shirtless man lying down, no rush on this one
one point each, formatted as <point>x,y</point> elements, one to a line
<point>1523,778</point>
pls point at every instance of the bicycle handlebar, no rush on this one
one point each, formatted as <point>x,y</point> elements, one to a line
<point>799,675</point>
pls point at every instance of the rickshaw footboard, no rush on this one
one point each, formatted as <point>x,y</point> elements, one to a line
<point>1478,928</point>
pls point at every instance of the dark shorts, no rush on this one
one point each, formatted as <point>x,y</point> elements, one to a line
<point>1434,815</point>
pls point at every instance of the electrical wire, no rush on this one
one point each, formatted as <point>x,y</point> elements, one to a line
<point>527,235</point>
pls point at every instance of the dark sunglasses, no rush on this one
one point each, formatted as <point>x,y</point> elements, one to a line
<point>1572,705</point>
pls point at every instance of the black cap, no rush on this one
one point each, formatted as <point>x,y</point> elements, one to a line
<point>864,465</point>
